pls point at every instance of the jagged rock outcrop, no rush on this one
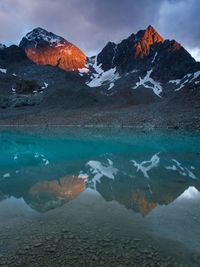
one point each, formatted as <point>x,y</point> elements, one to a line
<point>46,48</point>
<point>148,50</point>
<point>130,51</point>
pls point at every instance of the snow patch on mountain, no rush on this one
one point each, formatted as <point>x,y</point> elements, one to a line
<point>187,79</point>
<point>97,67</point>
<point>148,82</point>
<point>100,170</point>
<point>101,77</point>
<point>195,76</point>
<point>83,71</point>
<point>45,85</point>
<point>177,82</point>
<point>146,166</point>
<point>3,70</point>
<point>14,90</point>
<point>39,34</point>
<point>104,78</point>
<point>111,86</point>
<point>183,171</point>
<point>154,57</point>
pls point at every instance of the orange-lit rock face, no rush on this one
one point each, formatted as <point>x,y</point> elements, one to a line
<point>142,47</point>
<point>141,203</point>
<point>47,195</point>
<point>47,48</point>
<point>67,57</point>
<point>67,187</point>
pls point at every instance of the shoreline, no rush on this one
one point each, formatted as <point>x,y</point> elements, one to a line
<point>144,128</point>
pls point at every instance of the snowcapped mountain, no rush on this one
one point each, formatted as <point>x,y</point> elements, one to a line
<point>144,60</point>
<point>47,48</point>
<point>144,79</point>
<point>39,37</point>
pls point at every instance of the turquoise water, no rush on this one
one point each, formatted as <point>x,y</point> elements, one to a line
<point>145,184</point>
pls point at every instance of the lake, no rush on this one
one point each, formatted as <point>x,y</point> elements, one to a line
<point>99,197</point>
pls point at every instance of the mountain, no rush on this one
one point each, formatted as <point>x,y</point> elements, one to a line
<point>130,52</point>
<point>46,48</point>
<point>143,80</point>
<point>47,195</point>
<point>144,60</point>
<point>2,46</point>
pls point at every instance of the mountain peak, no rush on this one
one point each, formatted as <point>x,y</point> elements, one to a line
<point>40,37</point>
<point>47,48</point>
<point>150,28</point>
<point>145,39</point>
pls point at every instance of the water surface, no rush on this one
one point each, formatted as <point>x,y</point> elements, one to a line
<point>86,197</point>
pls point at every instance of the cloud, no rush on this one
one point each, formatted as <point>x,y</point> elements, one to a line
<point>90,24</point>
<point>195,52</point>
<point>180,20</point>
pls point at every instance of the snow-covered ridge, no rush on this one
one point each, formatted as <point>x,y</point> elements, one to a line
<point>40,34</point>
<point>187,79</point>
<point>148,82</point>
<point>176,166</point>
<point>101,77</point>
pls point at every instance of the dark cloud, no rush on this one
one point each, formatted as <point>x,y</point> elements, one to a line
<point>180,20</point>
<point>92,23</point>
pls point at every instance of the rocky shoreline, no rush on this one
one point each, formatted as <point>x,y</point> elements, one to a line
<point>77,239</point>
<point>146,117</point>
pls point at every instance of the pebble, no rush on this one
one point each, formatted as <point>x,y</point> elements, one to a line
<point>38,244</point>
<point>106,240</point>
<point>21,252</point>
<point>94,257</point>
<point>137,239</point>
<point>51,249</point>
<point>64,230</point>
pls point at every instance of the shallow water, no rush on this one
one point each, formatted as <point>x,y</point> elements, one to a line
<point>86,197</point>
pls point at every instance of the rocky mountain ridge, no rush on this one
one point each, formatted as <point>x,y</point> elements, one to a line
<point>148,61</point>
<point>144,71</point>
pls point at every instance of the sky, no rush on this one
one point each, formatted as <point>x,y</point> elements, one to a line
<point>90,24</point>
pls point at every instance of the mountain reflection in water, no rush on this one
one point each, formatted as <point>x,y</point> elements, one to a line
<point>138,170</point>
<point>137,191</point>
<point>50,194</point>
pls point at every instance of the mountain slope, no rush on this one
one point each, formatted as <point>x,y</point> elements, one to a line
<point>130,52</point>
<point>46,48</point>
<point>143,60</point>
<point>143,81</point>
